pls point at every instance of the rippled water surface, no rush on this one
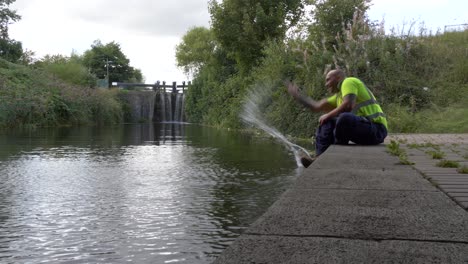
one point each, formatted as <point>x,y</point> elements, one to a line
<point>158,193</point>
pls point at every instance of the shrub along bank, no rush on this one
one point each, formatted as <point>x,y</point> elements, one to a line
<point>34,97</point>
<point>419,78</point>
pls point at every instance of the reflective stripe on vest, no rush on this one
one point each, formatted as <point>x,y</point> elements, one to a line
<point>362,104</point>
<point>366,103</point>
<point>370,117</point>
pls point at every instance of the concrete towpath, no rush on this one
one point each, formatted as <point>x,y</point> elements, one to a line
<point>355,204</point>
<point>426,151</point>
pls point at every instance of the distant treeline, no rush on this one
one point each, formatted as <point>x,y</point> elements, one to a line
<point>60,90</point>
<point>56,89</point>
<point>419,77</point>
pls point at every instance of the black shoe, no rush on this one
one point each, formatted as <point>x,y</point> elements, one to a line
<point>306,161</point>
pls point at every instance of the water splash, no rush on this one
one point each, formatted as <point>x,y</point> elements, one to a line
<point>251,114</point>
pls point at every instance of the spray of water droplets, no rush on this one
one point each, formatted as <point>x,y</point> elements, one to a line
<point>251,114</point>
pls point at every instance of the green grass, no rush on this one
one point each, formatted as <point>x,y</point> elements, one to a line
<point>394,149</point>
<point>448,164</point>
<point>32,97</point>
<point>463,169</point>
<point>404,160</point>
<point>449,119</point>
<point>436,154</point>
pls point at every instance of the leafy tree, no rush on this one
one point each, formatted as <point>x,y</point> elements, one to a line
<point>6,17</point>
<point>10,49</point>
<point>243,27</point>
<point>137,76</point>
<point>196,50</point>
<point>27,58</point>
<point>108,61</point>
<point>331,17</point>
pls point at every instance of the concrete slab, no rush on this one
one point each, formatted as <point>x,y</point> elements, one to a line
<point>455,190</point>
<point>360,159</point>
<point>438,179</point>
<point>365,215</point>
<point>448,175</point>
<point>355,205</point>
<point>359,179</point>
<point>453,186</point>
<point>451,182</point>
<point>457,195</point>
<point>275,249</point>
<point>427,169</point>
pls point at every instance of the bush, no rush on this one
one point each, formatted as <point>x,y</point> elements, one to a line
<point>68,69</point>
<point>32,97</point>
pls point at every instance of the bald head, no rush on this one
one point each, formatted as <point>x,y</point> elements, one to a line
<point>333,78</point>
<point>337,74</point>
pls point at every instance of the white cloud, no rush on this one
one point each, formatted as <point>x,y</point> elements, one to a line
<point>161,18</point>
<point>147,31</point>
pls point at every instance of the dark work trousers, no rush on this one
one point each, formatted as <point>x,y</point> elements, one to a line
<point>348,127</point>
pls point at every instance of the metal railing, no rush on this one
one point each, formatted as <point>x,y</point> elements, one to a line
<point>158,86</point>
<point>458,27</point>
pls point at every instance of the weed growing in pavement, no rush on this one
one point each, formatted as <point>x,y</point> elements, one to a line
<point>394,149</point>
<point>404,160</point>
<point>456,151</point>
<point>436,154</point>
<point>447,164</point>
<point>463,169</point>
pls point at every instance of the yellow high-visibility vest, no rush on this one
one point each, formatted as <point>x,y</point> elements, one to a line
<point>366,104</point>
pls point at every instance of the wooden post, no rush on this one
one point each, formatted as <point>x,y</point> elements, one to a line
<point>164,86</point>
<point>183,87</point>
<point>174,87</point>
<point>156,87</point>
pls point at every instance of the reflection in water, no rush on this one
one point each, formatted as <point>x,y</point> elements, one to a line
<point>144,193</point>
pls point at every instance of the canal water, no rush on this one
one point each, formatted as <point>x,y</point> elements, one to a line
<point>145,193</point>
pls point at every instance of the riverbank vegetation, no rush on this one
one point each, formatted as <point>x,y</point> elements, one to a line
<point>56,89</point>
<point>419,77</point>
<point>35,97</point>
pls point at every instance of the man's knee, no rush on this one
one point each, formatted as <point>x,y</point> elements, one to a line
<point>344,124</point>
<point>345,120</point>
<point>329,124</point>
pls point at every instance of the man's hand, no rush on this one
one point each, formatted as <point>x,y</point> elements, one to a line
<point>293,90</point>
<point>324,118</point>
<point>306,101</point>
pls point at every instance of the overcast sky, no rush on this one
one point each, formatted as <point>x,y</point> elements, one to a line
<point>149,30</point>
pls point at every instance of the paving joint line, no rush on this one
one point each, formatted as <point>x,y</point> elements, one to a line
<point>360,239</point>
<point>355,189</point>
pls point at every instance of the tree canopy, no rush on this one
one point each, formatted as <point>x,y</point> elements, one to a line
<point>7,16</point>
<point>331,17</point>
<point>195,50</point>
<point>10,50</point>
<point>108,61</point>
<point>243,27</point>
